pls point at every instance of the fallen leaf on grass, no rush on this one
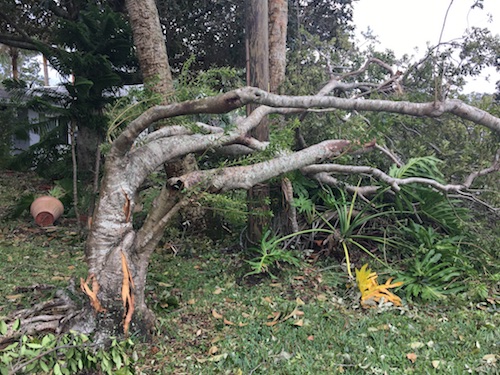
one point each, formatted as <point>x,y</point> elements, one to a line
<point>270,324</point>
<point>435,364</point>
<point>321,297</point>
<point>416,345</point>
<point>216,315</point>
<point>490,358</point>
<point>13,297</point>
<point>275,315</point>
<point>228,322</point>
<point>310,338</point>
<point>283,356</point>
<point>192,301</point>
<point>295,313</point>
<point>213,349</point>
<point>299,323</point>
<point>59,278</point>
<point>218,357</point>
<point>412,357</point>
<point>215,358</point>
<point>217,291</point>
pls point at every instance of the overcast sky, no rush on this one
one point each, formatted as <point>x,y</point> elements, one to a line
<point>402,25</point>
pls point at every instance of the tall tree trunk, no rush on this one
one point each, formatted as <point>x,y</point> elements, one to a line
<point>285,216</point>
<point>150,45</point>
<point>46,81</point>
<point>257,35</point>
<point>14,58</point>
<point>87,141</point>
<point>117,256</point>
<point>278,22</point>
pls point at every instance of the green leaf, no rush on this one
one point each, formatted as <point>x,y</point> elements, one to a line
<point>117,359</point>
<point>57,369</point>
<point>44,366</point>
<point>3,327</point>
<point>17,325</point>
<point>10,347</point>
<point>47,340</point>
<point>34,345</point>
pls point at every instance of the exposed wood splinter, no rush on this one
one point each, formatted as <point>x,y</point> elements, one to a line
<point>92,293</point>
<point>127,295</point>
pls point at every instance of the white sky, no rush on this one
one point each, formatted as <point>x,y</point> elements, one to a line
<point>402,25</point>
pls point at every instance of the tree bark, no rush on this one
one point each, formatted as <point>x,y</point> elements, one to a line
<point>278,21</point>
<point>150,44</point>
<point>258,73</point>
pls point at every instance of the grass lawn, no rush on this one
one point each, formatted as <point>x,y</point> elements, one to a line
<point>211,320</point>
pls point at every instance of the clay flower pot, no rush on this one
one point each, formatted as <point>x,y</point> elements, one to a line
<point>45,210</point>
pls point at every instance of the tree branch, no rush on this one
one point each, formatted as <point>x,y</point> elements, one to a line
<point>495,167</point>
<point>244,177</point>
<point>432,109</point>
<point>317,171</point>
<point>218,104</point>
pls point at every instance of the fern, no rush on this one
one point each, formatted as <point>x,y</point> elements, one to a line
<point>426,167</point>
<point>430,278</point>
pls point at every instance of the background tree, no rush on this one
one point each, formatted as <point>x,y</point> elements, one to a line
<point>87,41</point>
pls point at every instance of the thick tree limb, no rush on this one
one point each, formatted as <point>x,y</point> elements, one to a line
<point>432,109</point>
<point>218,104</point>
<point>244,177</point>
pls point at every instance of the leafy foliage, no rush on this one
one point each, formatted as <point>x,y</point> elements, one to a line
<point>427,204</point>
<point>431,278</point>
<point>212,30</point>
<point>68,354</point>
<point>270,255</point>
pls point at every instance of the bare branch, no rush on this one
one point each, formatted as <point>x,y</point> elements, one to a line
<point>328,179</point>
<point>389,154</point>
<point>432,109</point>
<point>377,173</point>
<point>495,167</point>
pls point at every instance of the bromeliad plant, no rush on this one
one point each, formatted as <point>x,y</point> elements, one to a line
<point>371,292</point>
<point>437,266</point>
<point>350,224</point>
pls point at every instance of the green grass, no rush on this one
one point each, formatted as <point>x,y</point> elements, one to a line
<point>331,336</point>
<point>200,298</point>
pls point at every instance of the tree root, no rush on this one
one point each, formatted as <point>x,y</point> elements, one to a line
<point>53,316</point>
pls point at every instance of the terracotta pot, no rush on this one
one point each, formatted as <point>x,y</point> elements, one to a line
<point>45,210</point>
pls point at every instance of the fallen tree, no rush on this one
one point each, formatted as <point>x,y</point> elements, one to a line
<point>118,255</point>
